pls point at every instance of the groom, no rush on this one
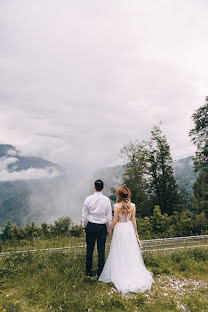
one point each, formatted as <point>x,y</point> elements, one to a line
<point>96,213</point>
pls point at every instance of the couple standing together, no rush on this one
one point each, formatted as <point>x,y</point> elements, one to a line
<point>124,266</point>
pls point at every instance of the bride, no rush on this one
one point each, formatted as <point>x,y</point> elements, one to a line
<point>125,266</point>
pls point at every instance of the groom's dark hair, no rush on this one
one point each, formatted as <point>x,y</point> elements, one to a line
<point>99,185</point>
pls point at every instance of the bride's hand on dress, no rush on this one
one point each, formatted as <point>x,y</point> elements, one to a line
<point>140,244</point>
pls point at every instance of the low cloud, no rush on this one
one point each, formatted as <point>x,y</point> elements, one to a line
<point>5,162</point>
<point>79,81</point>
<point>29,174</point>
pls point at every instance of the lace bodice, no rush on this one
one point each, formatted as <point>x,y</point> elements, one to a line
<point>124,217</point>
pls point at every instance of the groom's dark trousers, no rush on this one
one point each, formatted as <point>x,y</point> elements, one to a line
<point>95,232</point>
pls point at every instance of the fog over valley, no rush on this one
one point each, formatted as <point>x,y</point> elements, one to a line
<point>34,189</point>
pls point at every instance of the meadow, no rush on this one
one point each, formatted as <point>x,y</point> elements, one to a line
<point>55,281</point>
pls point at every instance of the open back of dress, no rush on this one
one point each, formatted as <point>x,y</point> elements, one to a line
<point>124,217</point>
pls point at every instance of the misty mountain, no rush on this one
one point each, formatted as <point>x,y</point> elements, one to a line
<point>23,162</point>
<point>34,189</point>
<point>20,178</point>
<point>184,173</point>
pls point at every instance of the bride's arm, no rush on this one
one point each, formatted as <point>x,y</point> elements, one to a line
<point>133,220</point>
<point>115,219</point>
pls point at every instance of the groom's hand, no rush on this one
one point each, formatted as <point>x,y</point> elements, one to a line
<point>109,233</point>
<point>84,231</point>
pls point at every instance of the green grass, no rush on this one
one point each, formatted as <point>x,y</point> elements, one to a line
<point>42,243</point>
<point>55,281</point>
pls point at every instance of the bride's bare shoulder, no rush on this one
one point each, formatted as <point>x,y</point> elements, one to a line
<point>131,207</point>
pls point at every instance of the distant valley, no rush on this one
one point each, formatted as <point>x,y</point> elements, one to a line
<point>34,189</point>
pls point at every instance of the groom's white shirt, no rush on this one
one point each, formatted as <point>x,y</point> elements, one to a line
<point>97,209</point>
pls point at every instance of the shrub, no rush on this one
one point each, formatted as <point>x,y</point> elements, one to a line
<point>61,226</point>
<point>45,228</point>
<point>76,230</point>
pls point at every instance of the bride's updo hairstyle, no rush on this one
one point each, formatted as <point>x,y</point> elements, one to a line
<point>123,196</point>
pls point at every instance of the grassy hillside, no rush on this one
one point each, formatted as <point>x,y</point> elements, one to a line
<point>56,282</point>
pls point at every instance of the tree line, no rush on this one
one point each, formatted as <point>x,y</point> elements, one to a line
<point>63,226</point>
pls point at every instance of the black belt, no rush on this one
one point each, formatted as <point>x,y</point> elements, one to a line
<point>97,223</point>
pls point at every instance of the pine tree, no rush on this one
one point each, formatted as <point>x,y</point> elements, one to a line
<point>134,177</point>
<point>200,197</point>
<point>162,186</point>
<point>199,136</point>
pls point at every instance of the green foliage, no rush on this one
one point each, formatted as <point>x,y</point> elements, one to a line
<point>199,135</point>
<point>183,223</point>
<point>158,220</point>
<point>200,198</point>
<point>31,230</point>
<point>6,230</point>
<point>45,229</point>
<point>61,227</point>
<point>76,230</point>
<point>158,225</point>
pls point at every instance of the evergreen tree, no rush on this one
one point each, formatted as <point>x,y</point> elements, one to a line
<point>163,187</point>
<point>134,176</point>
<point>199,136</point>
<point>200,197</point>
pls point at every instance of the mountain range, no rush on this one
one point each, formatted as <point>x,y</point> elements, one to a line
<point>20,178</point>
<point>35,189</point>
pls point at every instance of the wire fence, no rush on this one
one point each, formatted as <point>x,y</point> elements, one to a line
<point>158,244</point>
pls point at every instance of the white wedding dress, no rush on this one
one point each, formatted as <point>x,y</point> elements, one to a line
<point>125,267</point>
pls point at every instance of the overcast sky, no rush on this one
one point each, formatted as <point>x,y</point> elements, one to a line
<point>79,79</point>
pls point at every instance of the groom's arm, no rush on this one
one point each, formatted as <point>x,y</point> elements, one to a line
<point>115,219</point>
<point>85,211</point>
<point>109,213</point>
